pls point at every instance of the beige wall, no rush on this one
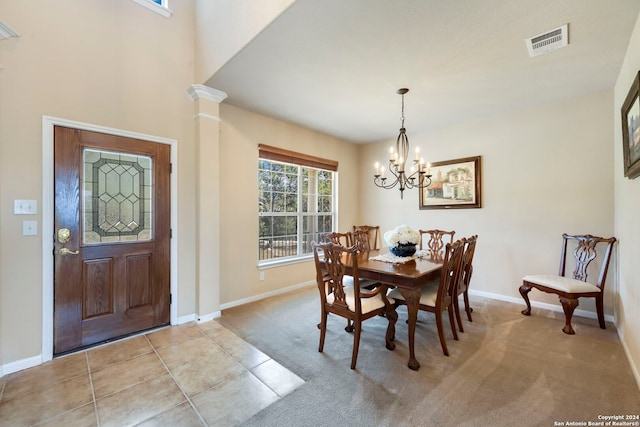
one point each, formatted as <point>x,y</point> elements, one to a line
<point>226,26</point>
<point>241,132</point>
<point>110,63</point>
<point>627,206</point>
<point>545,171</point>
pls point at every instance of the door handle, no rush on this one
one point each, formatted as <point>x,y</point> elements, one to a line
<point>65,251</point>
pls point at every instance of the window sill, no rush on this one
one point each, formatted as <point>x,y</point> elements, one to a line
<point>150,4</point>
<point>281,262</point>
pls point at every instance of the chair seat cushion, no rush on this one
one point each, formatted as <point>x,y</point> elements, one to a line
<point>561,283</point>
<point>368,304</point>
<point>428,294</point>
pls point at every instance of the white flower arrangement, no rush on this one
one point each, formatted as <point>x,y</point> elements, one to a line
<point>401,235</point>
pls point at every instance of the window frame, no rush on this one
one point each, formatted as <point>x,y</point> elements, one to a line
<point>162,8</point>
<point>299,160</point>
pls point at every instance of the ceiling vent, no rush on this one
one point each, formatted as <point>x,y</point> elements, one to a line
<point>551,40</point>
<point>6,32</point>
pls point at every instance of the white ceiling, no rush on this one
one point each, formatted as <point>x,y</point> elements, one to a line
<point>335,65</point>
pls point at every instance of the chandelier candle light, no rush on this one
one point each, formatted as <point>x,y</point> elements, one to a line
<point>398,157</point>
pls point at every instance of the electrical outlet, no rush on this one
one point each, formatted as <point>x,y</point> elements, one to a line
<point>262,275</point>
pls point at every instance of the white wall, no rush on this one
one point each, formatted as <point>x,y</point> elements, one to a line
<point>224,27</point>
<point>627,207</point>
<point>546,170</point>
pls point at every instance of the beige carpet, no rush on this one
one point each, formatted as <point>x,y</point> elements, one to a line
<point>506,369</point>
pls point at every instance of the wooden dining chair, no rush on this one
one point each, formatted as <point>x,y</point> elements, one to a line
<point>350,301</point>
<point>373,233</point>
<point>436,241</point>
<point>359,239</point>
<point>570,288</point>
<point>466,269</point>
<point>437,295</point>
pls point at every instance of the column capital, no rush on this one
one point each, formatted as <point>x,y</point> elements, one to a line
<point>205,92</point>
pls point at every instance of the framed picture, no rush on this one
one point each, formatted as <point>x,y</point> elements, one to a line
<point>631,131</point>
<point>455,184</point>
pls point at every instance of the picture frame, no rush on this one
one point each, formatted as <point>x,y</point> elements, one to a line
<point>631,130</point>
<point>455,184</point>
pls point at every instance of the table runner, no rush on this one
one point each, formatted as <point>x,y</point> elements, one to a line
<point>389,257</point>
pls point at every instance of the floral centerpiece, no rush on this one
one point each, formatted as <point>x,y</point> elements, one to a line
<point>402,240</point>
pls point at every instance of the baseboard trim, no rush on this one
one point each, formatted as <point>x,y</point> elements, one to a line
<point>19,365</point>
<point>208,317</point>
<point>634,369</point>
<point>266,295</point>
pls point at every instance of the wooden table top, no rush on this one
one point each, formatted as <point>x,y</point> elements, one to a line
<point>411,274</point>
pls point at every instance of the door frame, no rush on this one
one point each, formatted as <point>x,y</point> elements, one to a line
<point>48,200</point>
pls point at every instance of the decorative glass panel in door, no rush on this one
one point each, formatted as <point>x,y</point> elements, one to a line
<point>117,197</point>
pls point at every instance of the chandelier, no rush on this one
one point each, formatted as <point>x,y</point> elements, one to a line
<point>417,176</point>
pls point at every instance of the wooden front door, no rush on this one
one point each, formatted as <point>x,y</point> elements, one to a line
<point>112,237</point>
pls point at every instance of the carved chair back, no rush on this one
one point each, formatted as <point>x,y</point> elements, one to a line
<point>436,242</point>
<point>330,272</point>
<point>373,233</point>
<point>584,253</point>
<point>466,269</point>
<point>343,239</point>
<point>450,272</point>
<point>360,239</point>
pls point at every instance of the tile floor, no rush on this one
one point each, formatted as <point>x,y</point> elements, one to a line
<point>188,375</point>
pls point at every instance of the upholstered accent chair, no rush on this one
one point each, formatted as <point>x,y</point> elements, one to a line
<point>570,288</point>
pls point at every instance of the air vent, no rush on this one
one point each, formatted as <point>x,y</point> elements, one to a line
<point>6,32</point>
<point>551,40</point>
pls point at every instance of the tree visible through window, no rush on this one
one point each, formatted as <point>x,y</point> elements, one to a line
<point>295,207</point>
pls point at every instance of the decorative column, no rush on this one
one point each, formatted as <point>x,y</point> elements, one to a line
<point>207,152</point>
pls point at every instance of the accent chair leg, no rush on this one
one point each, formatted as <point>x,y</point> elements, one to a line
<point>600,309</point>
<point>524,291</point>
<point>568,305</point>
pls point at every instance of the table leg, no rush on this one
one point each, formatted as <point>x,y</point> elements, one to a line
<point>412,299</point>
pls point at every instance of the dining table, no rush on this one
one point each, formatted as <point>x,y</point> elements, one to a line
<point>408,276</point>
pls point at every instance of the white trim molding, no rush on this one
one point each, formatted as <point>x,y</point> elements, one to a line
<point>48,197</point>
<point>206,116</point>
<point>205,92</point>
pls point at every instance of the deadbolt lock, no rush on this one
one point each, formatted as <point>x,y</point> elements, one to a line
<point>64,235</point>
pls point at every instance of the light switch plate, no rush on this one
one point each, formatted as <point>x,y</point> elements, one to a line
<point>25,207</point>
<point>29,228</point>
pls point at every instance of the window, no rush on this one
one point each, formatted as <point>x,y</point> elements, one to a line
<point>158,6</point>
<point>296,203</point>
